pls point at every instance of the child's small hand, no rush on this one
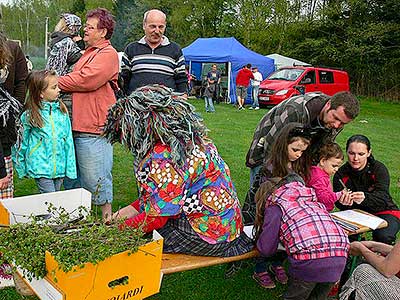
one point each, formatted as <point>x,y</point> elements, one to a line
<point>346,199</point>
<point>357,197</point>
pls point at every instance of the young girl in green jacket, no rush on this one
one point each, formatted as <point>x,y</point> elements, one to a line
<point>46,151</point>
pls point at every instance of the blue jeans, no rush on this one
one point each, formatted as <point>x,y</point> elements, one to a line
<point>48,185</point>
<point>94,157</point>
<point>209,104</point>
<point>254,94</point>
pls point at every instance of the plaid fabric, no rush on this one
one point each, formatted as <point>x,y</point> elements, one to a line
<point>369,284</point>
<point>291,110</point>
<point>179,237</point>
<point>249,206</point>
<point>307,230</point>
<point>8,193</point>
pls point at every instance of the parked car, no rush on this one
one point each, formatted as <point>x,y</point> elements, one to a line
<point>290,81</point>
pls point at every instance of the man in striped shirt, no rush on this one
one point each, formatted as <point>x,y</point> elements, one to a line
<point>154,59</point>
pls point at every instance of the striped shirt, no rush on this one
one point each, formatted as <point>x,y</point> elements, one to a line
<point>142,65</point>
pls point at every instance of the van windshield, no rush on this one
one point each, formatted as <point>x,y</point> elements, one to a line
<point>286,74</point>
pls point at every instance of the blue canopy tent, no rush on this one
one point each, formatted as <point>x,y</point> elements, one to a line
<point>225,50</point>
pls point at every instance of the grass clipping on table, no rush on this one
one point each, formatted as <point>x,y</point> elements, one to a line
<point>72,243</point>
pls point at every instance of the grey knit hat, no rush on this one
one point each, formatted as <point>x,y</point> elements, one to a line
<point>73,22</point>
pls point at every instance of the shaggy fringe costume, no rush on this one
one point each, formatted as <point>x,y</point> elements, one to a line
<point>192,199</point>
<point>152,112</point>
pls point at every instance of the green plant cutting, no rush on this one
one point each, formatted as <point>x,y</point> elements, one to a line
<point>71,241</point>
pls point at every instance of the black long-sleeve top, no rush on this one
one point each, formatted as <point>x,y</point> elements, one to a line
<point>373,180</point>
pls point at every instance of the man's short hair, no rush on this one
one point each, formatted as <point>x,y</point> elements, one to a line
<point>151,10</point>
<point>348,101</point>
<point>248,66</point>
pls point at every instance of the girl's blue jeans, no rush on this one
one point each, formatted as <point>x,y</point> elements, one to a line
<point>48,185</point>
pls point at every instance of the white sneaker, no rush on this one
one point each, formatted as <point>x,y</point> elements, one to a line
<point>257,108</point>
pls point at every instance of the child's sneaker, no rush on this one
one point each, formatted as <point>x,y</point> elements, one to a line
<point>264,280</point>
<point>280,273</point>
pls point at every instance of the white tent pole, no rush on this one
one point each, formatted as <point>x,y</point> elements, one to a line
<point>229,82</point>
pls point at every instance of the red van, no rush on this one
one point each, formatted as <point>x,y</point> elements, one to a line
<point>290,81</point>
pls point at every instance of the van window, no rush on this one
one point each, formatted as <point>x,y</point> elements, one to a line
<point>325,77</point>
<point>309,78</point>
<point>286,74</point>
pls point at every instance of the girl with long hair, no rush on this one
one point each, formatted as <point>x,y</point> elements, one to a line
<point>288,213</point>
<point>46,152</point>
<point>286,158</point>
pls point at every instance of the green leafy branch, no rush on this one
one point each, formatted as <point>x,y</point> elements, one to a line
<point>72,242</point>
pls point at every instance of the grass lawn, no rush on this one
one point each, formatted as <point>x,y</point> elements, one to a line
<point>232,131</point>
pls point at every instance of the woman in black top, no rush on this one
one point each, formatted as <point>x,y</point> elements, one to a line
<point>369,181</point>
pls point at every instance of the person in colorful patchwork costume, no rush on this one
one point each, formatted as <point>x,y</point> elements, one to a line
<point>185,188</point>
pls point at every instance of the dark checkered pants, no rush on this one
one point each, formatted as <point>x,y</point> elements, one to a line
<point>179,237</point>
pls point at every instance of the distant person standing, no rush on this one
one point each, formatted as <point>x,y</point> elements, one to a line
<point>242,83</point>
<point>255,86</point>
<point>211,91</point>
<point>154,59</point>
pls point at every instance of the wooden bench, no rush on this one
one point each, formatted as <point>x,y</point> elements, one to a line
<point>172,263</point>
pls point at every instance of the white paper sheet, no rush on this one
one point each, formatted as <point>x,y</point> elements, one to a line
<point>363,219</point>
